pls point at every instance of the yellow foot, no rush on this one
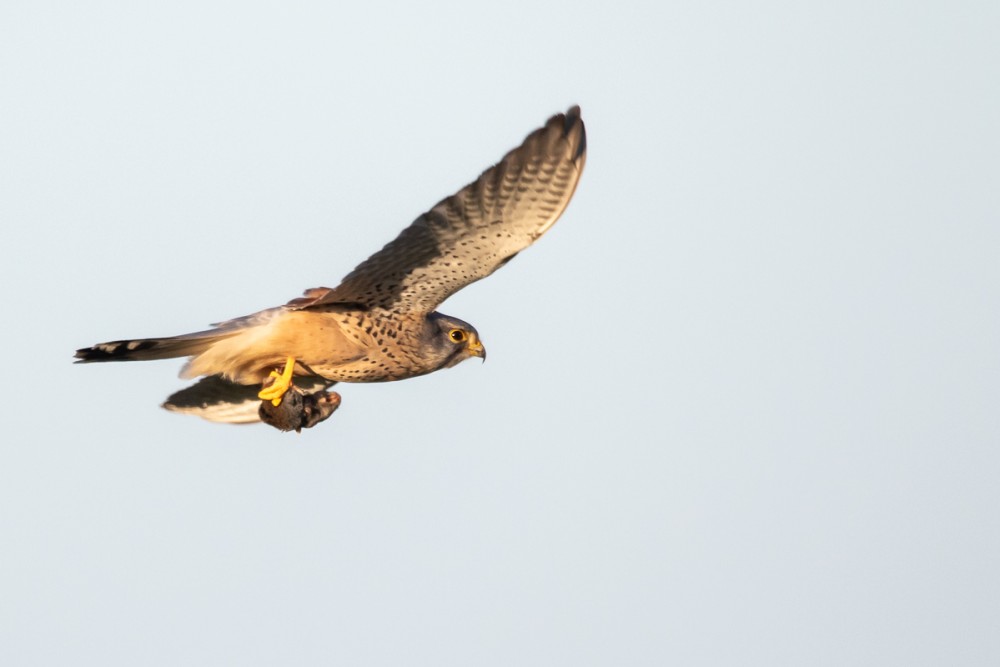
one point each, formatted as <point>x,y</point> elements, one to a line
<point>282,383</point>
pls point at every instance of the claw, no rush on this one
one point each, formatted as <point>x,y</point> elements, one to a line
<point>282,382</point>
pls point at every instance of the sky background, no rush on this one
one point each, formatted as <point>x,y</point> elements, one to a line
<point>742,403</point>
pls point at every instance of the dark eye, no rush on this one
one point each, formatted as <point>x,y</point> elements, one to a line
<point>457,335</point>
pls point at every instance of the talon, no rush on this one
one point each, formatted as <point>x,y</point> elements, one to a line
<point>282,382</point>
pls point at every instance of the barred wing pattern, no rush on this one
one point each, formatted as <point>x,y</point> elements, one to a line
<point>471,234</point>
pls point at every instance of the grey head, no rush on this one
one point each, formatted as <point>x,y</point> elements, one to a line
<point>450,341</point>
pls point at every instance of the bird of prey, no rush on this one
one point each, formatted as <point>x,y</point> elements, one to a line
<point>380,323</point>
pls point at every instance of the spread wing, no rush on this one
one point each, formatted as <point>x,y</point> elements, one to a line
<point>473,233</point>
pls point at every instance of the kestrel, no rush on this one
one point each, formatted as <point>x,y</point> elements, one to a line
<point>380,323</point>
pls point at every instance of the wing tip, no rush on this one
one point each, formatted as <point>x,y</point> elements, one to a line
<point>216,399</point>
<point>573,130</point>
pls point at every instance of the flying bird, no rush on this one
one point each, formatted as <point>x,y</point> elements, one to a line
<point>380,323</point>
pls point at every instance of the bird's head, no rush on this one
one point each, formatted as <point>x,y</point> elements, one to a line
<point>454,341</point>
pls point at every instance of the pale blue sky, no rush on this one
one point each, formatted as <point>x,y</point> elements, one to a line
<point>741,404</point>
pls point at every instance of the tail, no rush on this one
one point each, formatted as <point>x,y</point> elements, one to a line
<point>186,345</point>
<point>145,349</point>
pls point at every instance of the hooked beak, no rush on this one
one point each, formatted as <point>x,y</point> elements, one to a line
<point>476,348</point>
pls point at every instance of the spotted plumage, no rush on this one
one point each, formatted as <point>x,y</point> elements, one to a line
<point>379,324</point>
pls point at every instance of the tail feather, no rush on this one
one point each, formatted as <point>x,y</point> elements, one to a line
<point>144,349</point>
<point>186,345</point>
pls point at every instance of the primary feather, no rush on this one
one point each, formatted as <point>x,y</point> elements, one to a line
<point>471,234</point>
